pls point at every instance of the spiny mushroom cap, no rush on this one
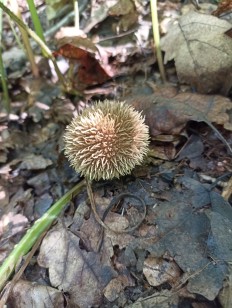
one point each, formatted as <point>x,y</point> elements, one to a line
<point>107,140</point>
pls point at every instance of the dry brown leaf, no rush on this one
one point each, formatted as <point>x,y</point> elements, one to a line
<point>74,270</point>
<point>158,271</point>
<point>202,53</point>
<point>29,294</point>
<point>84,63</point>
<point>160,299</point>
<point>69,31</point>
<point>12,224</point>
<point>91,230</point>
<point>116,285</point>
<point>229,33</point>
<point>225,295</point>
<point>169,116</point>
<point>54,6</point>
<point>165,151</point>
<point>214,108</point>
<point>99,11</point>
<point>35,162</point>
<point>122,7</point>
<point>129,16</point>
<point>90,233</point>
<point>4,196</point>
<point>223,7</point>
<point>85,44</point>
<point>126,22</point>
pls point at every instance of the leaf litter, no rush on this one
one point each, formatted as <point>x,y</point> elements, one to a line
<point>181,253</point>
<point>201,51</point>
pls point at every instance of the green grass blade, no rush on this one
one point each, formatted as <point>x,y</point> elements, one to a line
<point>30,238</point>
<point>6,99</point>
<point>38,40</point>
<point>36,21</point>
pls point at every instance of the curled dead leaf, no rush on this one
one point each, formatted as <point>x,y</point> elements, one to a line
<point>84,61</point>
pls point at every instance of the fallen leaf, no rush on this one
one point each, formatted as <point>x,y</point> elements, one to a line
<point>209,278</point>
<point>89,72</point>
<point>40,183</point>
<point>202,53</point>
<point>225,295</point>
<point>73,270</point>
<point>116,285</point>
<point>185,235</point>
<point>158,271</point>
<point>214,108</point>
<point>122,7</point>
<point>160,299</point>
<point>92,230</point>
<point>42,204</point>
<point>129,15</point>
<point>14,62</point>
<point>54,6</point>
<point>126,22</point>
<point>31,294</point>
<point>193,150</point>
<point>164,151</point>
<point>35,162</point>
<point>229,33</point>
<point>4,195</point>
<point>75,47</point>
<point>169,116</point>
<point>12,224</point>
<point>224,6</point>
<point>69,31</point>
<point>83,58</point>
<point>21,198</point>
<point>99,11</point>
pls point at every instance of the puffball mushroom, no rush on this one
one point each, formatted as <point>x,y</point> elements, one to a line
<point>107,140</point>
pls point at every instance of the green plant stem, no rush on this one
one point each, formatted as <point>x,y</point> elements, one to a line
<point>156,35</point>
<point>12,27</point>
<point>6,99</point>
<point>29,53</point>
<point>34,233</point>
<point>25,38</point>
<point>35,19</point>
<point>38,40</point>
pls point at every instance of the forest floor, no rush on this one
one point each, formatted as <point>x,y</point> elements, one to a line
<point>181,254</point>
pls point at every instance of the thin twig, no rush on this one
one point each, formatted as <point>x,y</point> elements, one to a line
<point>114,201</point>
